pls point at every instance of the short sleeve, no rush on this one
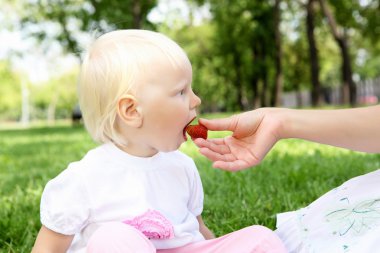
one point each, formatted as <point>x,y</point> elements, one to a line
<point>196,197</point>
<point>64,203</point>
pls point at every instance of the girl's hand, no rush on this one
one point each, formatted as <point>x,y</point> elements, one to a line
<point>254,133</point>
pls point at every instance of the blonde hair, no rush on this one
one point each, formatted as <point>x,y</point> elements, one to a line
<point>111,69</point>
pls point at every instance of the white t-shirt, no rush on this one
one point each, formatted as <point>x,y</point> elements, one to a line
<point>344,220</point>
<point>110,185</point>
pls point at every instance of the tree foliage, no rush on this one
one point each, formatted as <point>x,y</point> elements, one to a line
<point>56,98</point>
<point>10,93</point>
<point>89,16</point>
<point>234,52</point>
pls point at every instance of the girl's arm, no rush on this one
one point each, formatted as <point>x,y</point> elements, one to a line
<point>207,234</point>
<point>49,241</point>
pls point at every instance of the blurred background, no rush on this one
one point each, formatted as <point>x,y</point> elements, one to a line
<point>245,53</point>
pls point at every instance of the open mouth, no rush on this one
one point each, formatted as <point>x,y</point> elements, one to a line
<point>184,129</point>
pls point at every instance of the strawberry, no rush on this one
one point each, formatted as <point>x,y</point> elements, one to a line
<point>197,131</point>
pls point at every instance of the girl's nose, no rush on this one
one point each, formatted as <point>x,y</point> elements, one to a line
<point>195,100</point>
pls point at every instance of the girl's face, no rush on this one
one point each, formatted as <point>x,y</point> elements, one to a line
<point>168,105</point>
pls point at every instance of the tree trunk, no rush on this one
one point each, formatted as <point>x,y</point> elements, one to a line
<point>264,87</point>
<point>137,16</point>
<point>51,109</point>
<point>313,51</point>
<point>25,112</point>
<point>276,99</point>
<point>347,72</point>
<point>254,79</point>
<point>256,97</point>
<point>238,80</point>
<point>262,74</point>
<point>349,87</point>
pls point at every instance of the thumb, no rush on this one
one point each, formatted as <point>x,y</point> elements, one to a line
<point>224,124</point>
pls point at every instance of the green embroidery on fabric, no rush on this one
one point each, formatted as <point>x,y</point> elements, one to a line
<point>357,218</point>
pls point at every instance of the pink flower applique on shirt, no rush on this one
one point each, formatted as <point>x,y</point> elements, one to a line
<point>153,225</point>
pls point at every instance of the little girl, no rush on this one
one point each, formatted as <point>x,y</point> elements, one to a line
<point>136,192</point>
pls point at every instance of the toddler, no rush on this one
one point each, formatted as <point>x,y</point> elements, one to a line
<point>136,192</point>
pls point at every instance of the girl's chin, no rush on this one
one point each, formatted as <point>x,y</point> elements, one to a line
<point>171,148</point>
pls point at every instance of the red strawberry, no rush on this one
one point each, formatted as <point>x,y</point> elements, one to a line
<point>197,131</point>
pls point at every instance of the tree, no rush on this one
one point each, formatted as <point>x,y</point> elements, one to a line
<point>261,45</point>
<point>313,52</point>
<point>89,16</point>
<point>278,55</point>
<point>10,93</point>
<point>368,64</point>
<point>246,28</point>
<point>349,87</point>
<point>232,37</point>
<point>208,83</point>
<point>55,98</point>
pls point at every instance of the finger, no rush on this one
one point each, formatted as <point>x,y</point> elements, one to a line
<point>210,142</point>
<point>231,166</point>
<point>217,146</point>
<point>201,142</point>
<point>210,154</point>
<point>215,156</point>
<point>223,124</point>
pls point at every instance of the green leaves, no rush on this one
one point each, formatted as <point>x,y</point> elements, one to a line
<point>87,16</point>
<point>10,98</point>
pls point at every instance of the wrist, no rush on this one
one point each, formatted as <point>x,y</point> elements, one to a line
<point>284,118</point>
<point>276,121</point>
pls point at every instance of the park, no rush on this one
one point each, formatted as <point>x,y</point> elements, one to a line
<point>245,55</point>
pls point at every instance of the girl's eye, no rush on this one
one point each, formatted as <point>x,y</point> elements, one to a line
<point>181,92</point>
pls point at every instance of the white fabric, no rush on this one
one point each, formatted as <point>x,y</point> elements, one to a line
<point>344,220</point>
<point>110,185</point>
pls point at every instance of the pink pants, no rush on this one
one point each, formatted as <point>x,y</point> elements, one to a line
<point>121,238</point>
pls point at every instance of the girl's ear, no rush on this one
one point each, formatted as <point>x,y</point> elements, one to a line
<point>129,111</point>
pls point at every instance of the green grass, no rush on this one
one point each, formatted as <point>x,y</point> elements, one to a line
<point>293,174</point>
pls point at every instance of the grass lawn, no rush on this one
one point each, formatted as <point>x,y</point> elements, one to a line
<point>293,174</point>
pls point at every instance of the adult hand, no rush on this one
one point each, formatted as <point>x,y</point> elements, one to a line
<point>254,133</point>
